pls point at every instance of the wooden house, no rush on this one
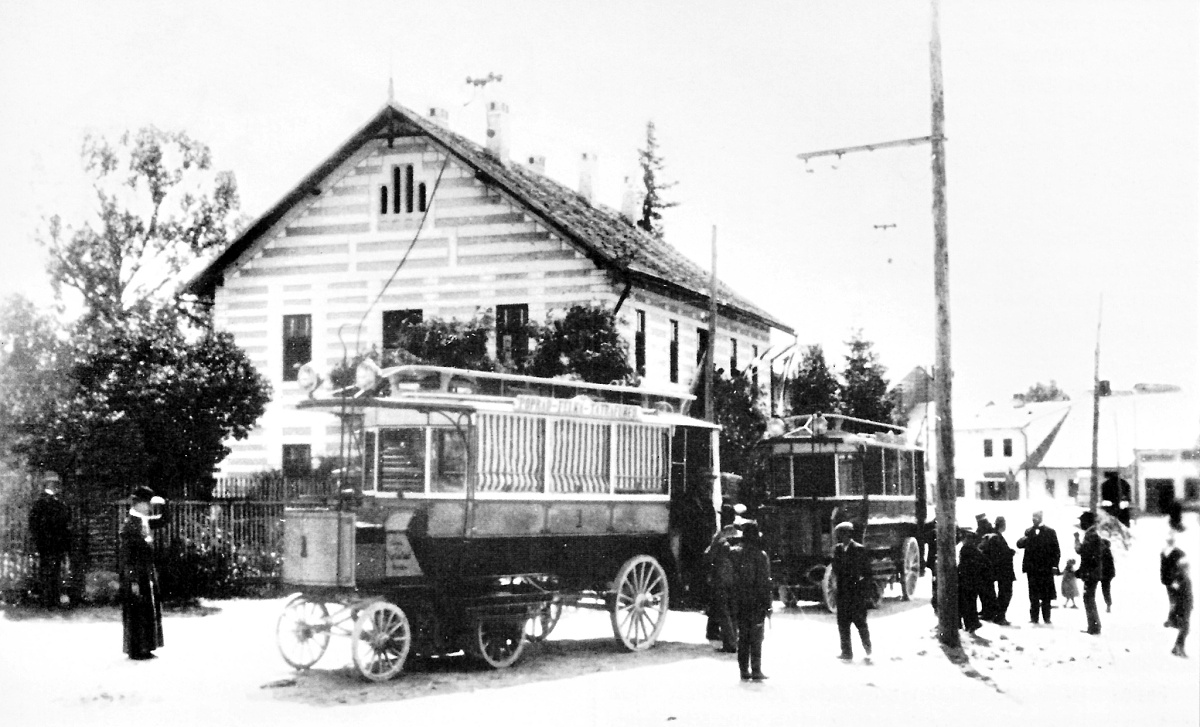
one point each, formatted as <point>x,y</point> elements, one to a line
<point>409,220</point>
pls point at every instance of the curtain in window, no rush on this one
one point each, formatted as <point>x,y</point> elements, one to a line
<point>510,453</point>
<point>581,451</point>
<point>641,454</point>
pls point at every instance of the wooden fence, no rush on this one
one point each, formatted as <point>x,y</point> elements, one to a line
<point>241,539</point>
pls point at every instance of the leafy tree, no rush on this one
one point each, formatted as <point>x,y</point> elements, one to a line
<point>742,420</point>
<point>1045,392</point>
<point>814,389</point>
<point>439,342</point>
<point>652,166</point>
<point>584,343</point>
<point>864,388</point>
<point>159,207</point>
<point>130,394</point>
<point>145,406</point>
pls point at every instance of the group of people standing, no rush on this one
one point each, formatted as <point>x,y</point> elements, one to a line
<point>985,574</point>
<point>141,606</point>
<point>741,594</point>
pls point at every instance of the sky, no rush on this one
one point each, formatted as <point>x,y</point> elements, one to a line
<point>1073,146</point>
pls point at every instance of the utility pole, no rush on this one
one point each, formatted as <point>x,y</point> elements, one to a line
<point>947,487</point>
<point>1094,498</point>
<point>711,351</point>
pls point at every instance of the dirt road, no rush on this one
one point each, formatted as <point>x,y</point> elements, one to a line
<point>220,667</point>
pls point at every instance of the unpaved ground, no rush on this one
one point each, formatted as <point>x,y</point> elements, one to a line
<point>220,667</point>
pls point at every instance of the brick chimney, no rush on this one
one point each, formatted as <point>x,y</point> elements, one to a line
<point>537,163</point>
<point>631,201</point>
<point>439,117</point>
<point>497,129</point>
<point>587,175</point>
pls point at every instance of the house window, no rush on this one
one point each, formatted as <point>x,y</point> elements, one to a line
<point>403,191</point>
<point>639,344</point>
<point>674,353</point>
<point>396,190</point>
<point>408,188</point>
<point>512,338</point>
<point>732,357</point>
<point>701,343</point>
<point>754,373</point>
<point>297,344</point>
<point>1050,487</point>
<point>297,460</point>
<point>1008,448</point>
<point>987,448</point>
<point>394,324</point>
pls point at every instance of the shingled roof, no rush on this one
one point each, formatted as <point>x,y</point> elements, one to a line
<point>606,237</point>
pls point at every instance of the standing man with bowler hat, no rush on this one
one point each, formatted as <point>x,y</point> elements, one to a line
<point>1039,565</point>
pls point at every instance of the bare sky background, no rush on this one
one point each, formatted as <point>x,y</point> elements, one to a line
<point>1073,149</point>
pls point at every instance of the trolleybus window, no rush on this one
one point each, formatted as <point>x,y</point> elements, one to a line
<point>511,453</point>
<point>449,460</point>
<point>402,460</point>
<point>907,473</point>
<point>580,457</point>
<point>872,460</point>
<point>641,457</point>
<point>891,472</point>
<point>850,473</point>
<point>814,476</point>
<point>780,484</point>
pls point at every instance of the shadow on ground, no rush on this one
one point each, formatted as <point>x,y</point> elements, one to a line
<point>423,677</point>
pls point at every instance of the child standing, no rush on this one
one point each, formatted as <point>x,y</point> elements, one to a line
<point>1070,584</point>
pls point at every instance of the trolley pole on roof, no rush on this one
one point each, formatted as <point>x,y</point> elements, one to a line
<point>947,488</point>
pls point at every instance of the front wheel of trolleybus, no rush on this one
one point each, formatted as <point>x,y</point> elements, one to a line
<point>302,632</point>
<point>911,572</point>
<point>380,641</point>
<point>640,601</point>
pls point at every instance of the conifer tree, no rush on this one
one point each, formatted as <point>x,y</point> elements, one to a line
<point>652,167</point>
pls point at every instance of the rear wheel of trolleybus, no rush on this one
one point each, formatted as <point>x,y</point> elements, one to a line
<point>498,642</point>
<point>302,632</point>
<point>640,602</point>
<point>829,588</point>
<point>380,641</point>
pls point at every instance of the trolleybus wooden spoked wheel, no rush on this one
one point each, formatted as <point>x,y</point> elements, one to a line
<point>639,606</point>
<point>911,572</point>
<point>302,632</point>
<point>498,642</point>
<point>829,589</point>
<point>539,626</point>
<point>380,641</point>
<point>787,596</point>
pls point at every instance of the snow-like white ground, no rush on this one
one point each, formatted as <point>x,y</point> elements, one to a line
<point>222,668</point>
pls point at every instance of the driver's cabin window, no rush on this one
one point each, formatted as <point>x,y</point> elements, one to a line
<point>850,473</point>
<point>402,460</point>
<point>448,461</point>
<point>815,476</point>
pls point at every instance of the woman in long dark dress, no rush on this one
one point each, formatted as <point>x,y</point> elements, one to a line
<point>141,612</point>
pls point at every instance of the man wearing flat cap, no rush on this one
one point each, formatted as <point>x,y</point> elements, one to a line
<point>855,587</point>
<point>141,611</point>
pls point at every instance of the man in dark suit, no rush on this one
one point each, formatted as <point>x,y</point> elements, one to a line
<point>855,586</point>
<point>1000,557</point>
<point>751,601</point>
<point>50,526</point>
<point>1039,565</point>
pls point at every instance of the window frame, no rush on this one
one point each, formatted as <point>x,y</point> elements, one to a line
<point>292,350</point>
